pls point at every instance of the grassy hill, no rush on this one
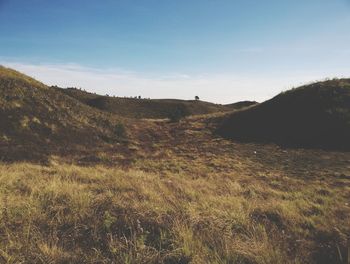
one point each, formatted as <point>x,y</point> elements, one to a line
<point>144,108</point>
<point>316,115</point>
<point>35,118</point>
<point>37,121</point>
<point>242,104</point>
<point>172,192</point>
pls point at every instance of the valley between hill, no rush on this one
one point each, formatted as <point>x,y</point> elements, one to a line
<point>124,190</point>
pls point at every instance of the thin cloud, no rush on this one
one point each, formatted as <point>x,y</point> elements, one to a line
<point>219,88</point>
<point>343,51</point>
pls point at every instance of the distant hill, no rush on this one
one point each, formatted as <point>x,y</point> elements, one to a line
<point>242,104</point>
<point>35,118</point>
<point>316,115</point>
<point>144,108</point>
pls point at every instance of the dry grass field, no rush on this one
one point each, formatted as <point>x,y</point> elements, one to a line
<point>82,185</point>
<point>187,197</point>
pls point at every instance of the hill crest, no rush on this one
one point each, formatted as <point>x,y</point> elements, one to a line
<point>316,115</point>
<point>144,108</point>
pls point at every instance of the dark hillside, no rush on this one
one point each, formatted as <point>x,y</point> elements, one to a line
<point>316,115</point>
<point>143,108</point>
<point>35,118</point>
<point>242,104</point>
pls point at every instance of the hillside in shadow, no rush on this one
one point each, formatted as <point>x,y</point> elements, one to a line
<point>242,104</point>
<point>316,115</point>
<point>146,108</point>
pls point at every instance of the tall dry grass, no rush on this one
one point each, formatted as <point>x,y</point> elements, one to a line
<point>71,214</point>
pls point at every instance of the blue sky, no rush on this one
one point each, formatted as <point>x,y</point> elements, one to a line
<point>222,50</point>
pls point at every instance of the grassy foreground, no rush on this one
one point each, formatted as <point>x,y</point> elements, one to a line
<point>70,214</point>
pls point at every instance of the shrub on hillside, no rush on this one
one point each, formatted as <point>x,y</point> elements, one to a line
<point>179,112</point>
<point>120,131</point>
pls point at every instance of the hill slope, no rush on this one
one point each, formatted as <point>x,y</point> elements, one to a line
<point>174,193</point>
<point>242,104</point>
<point>36,117</point>
<point>316,115</point>
<point>144,108</point>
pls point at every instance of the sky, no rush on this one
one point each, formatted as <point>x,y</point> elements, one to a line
<point>221,50</point>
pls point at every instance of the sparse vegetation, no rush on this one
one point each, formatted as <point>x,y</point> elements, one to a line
<point>136,108</point>
<point>177,113</point>
<point>173,192</point>
<point>120,131</point>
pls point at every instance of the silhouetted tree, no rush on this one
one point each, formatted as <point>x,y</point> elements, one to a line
<point>196,97</point>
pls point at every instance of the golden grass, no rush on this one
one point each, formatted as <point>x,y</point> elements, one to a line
<point>70,214</point>
<point>7,73</point>
<point>162,193</point>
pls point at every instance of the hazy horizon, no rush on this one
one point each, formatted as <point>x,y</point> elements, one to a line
<point>223,51</point>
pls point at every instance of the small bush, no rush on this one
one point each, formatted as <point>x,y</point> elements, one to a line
<point>120,131</point>
<point>179,112</point>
